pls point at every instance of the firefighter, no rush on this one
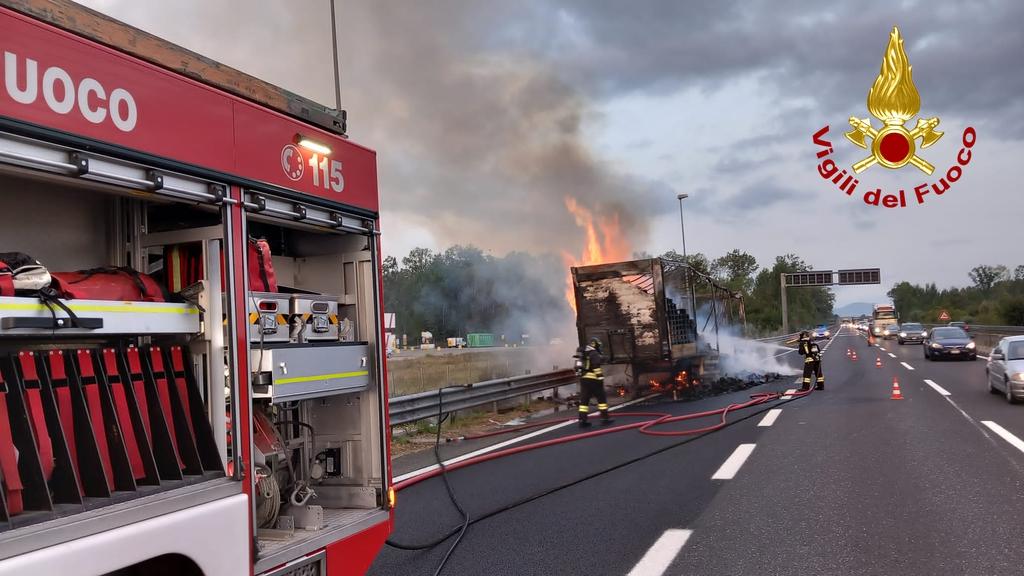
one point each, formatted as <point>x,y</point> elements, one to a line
<point>812,362</point>
<point>592,382</point>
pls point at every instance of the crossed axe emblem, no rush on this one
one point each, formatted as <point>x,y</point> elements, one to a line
<point>893,146</point>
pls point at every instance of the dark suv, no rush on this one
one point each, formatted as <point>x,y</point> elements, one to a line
<point>911,332</point>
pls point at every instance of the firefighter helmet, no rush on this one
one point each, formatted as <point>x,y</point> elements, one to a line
<point>595,342</point>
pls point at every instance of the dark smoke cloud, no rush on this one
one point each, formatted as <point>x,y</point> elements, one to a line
<point>966,56</point>
<point>476,143</point>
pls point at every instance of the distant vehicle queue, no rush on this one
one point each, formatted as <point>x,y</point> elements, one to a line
<point>1004,371</point>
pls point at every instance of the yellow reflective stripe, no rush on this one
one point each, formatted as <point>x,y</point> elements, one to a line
<point>253,317</point>
<point>602,406</point>
<point>584,408</point>
<point>125,307</point>
<point>281,319</point>
<point>338,376</point>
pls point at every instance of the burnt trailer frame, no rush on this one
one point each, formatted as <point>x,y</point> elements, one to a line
<point>643,312</point>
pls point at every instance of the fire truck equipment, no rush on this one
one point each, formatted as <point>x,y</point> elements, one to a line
<point>268,317</point>
<point>21,273</point>
<point>261,268</point>
<point>109,283</point>
<point>315,317</point>
<point>298,372</point>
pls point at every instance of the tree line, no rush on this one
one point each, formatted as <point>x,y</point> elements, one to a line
<point>462,290</point>
<point>996,297</point>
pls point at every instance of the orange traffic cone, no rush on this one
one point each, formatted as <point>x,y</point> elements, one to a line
<point>896,394</point>
<point>854,357</point>
<point>847,351</point>
<point>878,362</point>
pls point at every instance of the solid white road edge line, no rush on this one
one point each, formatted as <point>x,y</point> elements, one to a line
<point>907,366</point>
<point>661,554</point>
<point>937,388</point>
<point>1005,434</point>
<point>770,417</point>
<point>733,463</point>
<point>501,445</point>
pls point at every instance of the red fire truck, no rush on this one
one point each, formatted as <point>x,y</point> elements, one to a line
<point>191,368</point>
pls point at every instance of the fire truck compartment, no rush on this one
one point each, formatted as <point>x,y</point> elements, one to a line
<point>126,408</point>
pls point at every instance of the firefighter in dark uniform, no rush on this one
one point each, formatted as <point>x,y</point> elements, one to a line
<point>812,362</point>
<point>592,382</point>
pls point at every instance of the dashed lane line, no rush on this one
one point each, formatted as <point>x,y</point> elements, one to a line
<point>907,366</point>
<point>734,462</point>
<point>789,394</point>
<point>1005,434</point>
<point>770,417</point>
<point>661,554</point>
<point>937,388</point>
<point>891,355</point>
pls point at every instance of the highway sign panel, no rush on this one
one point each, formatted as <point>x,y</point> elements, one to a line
<point>860,276</point>
<point>816,278</point>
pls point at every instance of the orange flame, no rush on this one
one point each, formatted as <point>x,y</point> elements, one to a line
<point>604,241</point>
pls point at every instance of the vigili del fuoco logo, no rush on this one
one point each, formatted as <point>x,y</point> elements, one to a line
<point>894,100</point>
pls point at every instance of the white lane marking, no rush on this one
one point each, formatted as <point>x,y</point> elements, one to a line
<point>1005,434</point>
<point>907,366</point>
<point>510,442</point>
<point>983,357</point>
<point>661,554</point>
<point>937,388</point>
<point>891,355</point>
<point>787,395</point>
<point>733,463</point>
<point>770,417</point>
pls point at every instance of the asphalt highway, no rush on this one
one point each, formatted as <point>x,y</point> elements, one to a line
<point>844,481</point>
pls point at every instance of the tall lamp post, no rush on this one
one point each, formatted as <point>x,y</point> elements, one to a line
<point>689,275</point>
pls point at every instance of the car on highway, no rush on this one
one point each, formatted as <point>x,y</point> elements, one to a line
<point>949,342</point>
<point>1005,369</point>
<point>862,326</point>
<point>961,325</point>
<point>821,332</point>
<point>890,332</point>
<point>911,332</point>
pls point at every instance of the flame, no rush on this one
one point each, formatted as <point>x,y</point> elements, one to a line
<point>893,98</point>
<point>604,241</point>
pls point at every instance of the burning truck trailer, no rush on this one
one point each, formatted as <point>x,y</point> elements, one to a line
<point>643,311</point>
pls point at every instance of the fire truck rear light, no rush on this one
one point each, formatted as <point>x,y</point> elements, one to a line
<point>312,145</point>
<point>268,306</point>
<point>392,497</point>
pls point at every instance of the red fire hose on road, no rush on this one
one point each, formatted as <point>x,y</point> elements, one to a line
<point>644,427</point>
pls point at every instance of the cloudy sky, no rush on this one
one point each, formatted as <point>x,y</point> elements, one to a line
<point>486,115</point>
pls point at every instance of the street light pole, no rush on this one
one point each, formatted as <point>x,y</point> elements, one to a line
<point>682,226</point>
<point>689,272</point>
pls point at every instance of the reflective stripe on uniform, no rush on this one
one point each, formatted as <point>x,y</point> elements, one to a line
<point>584,408</point>
<point>602,406</point>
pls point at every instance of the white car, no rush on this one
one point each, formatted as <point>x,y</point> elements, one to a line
<point>1005,369</point>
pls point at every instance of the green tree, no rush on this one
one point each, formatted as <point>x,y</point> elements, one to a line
<point>984,276</point>
<point>737,270</point>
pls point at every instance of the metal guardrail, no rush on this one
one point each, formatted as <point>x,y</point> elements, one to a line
<point>413,407</point>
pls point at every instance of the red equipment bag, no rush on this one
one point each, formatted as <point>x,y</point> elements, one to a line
<point>8,457</point>
<point>261,268</point>
<point>123,284</point>
<point>6,280</point>
<point>183,266</point>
